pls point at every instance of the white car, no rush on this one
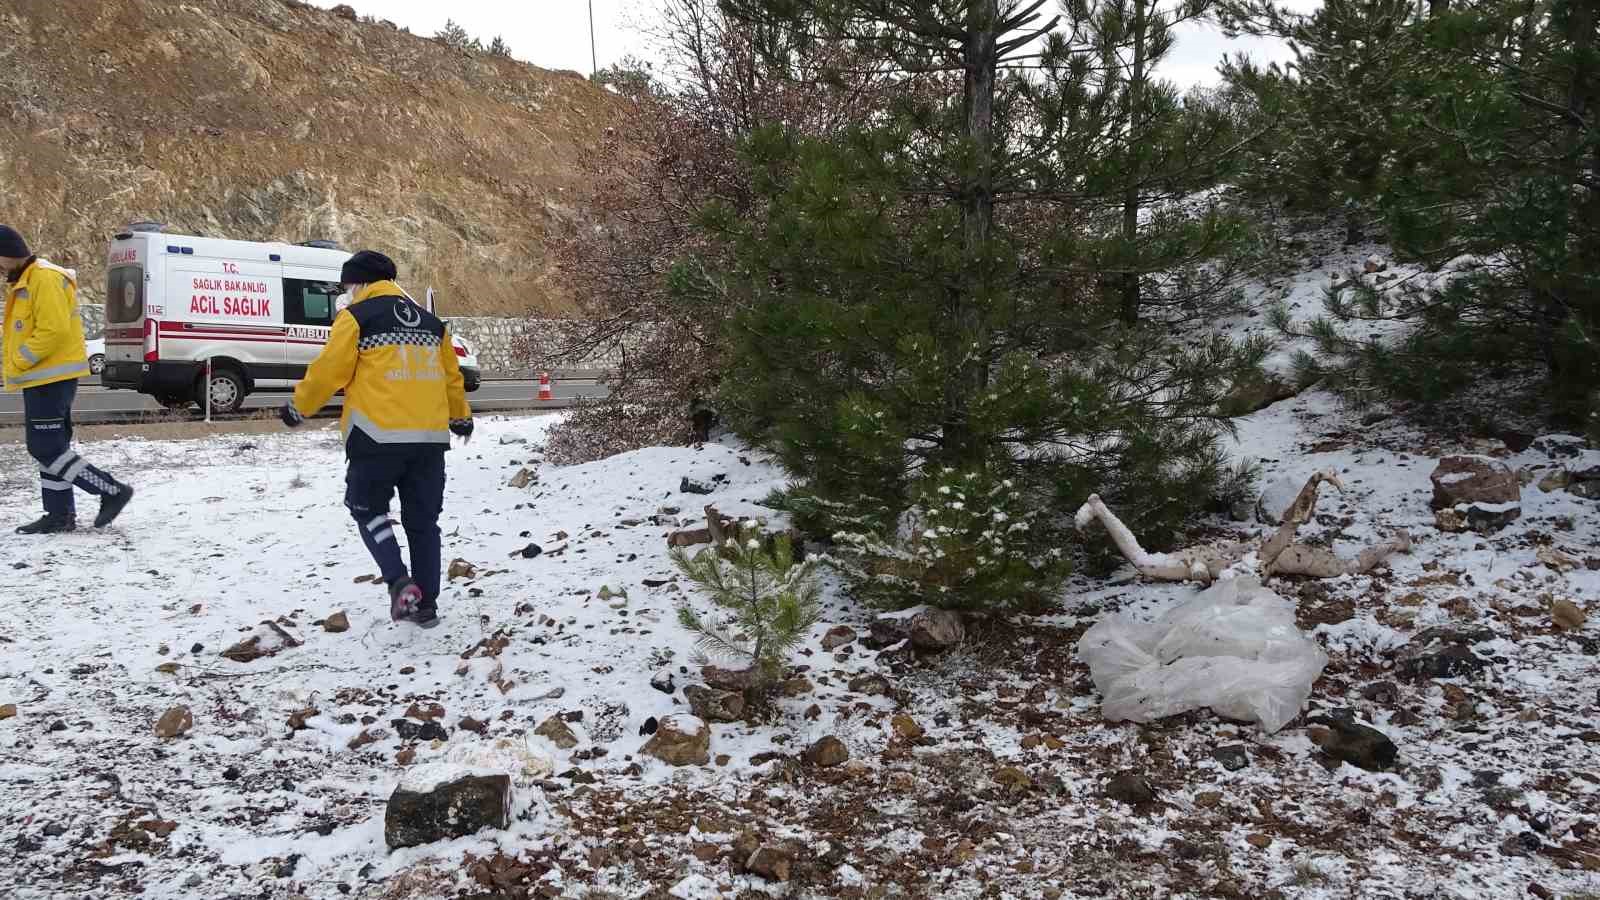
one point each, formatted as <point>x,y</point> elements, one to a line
<point>467,359</point>
<point>96,348</point>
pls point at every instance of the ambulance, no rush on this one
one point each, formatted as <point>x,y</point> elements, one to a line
<point>258,312</point>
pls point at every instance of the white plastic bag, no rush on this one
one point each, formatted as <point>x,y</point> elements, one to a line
<point>1235,648</point>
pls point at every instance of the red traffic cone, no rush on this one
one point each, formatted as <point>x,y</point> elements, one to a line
<point>544,387</point>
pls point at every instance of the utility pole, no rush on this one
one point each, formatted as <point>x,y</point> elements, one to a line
<point>594,59</point>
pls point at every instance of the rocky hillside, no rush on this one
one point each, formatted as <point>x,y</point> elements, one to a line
<point>272,120</point>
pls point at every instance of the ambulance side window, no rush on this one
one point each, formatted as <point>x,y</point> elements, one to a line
<point>309,302</point>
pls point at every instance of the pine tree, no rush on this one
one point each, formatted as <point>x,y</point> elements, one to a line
<point>1482,155</point>
<point>1162,151</point>
<point>453,35</point>
<point>674,152</point>
<point>499,47</point>
<point>771,600</point>
<point>922,296</point>
<point>1338,108</point>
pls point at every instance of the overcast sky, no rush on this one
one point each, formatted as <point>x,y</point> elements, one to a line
<point>554,34</point>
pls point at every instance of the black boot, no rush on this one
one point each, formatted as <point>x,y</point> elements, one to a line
<point>111,506</point>
<point>427,614</point>
<point>51,523</point>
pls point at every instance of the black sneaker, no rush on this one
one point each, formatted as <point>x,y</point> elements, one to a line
<point>111,506</point>
<point>426,616</point>
<point>404,598</point>
<point>51,523</point>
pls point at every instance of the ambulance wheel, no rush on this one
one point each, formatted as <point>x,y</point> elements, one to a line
<point>227,391</point>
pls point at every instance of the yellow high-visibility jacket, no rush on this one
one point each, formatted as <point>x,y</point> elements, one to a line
<point>43,341</point>
<point>398,370</point>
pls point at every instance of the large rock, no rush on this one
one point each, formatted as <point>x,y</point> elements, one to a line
<point>1130,788</point>
<point>557,732</point>
<point>1555,481</point>
<point>827,753</point>
<point>936,630</point>
<point>714,705</point>
<point>687,485</point>
<point>1255,392</point>
<point>1443,653</point>
<point>1277,496</point>
<point>905,727</point>
<point>1352,742</point>
<point>1566,615</point>
<point>728,679</point>
<point>689,537</point>
<point>928,629</point>
<point>871,683</point>
<point>1588,490</point>
<point>440,801</point>
<point>268,639</point>
<point>175,722</point>
<point>837,637</point>
<point>771,863</point>
<point>662,680</point>
<point>1485,492</point>
<point>1560,446</point>
<point>680,741</point>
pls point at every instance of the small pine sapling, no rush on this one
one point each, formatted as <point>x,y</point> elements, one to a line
<point>770,599</point>
<point>970,541</point>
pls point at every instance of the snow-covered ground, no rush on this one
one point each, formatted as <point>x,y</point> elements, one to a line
<point>1003,796</point>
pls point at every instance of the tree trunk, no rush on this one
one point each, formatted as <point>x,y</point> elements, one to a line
<point>1556,305</point>
<point>1131,300</point>
<point>969,371</point>
<point>1530,29</point>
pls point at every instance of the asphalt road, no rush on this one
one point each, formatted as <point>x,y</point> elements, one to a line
<point>98,403</point>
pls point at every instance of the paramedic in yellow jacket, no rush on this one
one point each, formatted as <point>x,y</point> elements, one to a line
<point>403,398</point>
<point>44,358</point>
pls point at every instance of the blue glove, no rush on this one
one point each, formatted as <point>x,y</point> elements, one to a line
<point>291,416</point>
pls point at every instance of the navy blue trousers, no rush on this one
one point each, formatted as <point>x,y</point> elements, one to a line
<point>47,413</point>
<point>418,475</point>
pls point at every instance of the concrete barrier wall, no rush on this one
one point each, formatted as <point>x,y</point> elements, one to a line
<point>502,350</point>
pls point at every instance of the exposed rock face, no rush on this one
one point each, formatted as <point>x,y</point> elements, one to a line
<point>282,121</point>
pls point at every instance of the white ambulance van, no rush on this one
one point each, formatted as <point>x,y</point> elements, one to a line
<point>260,312</point>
